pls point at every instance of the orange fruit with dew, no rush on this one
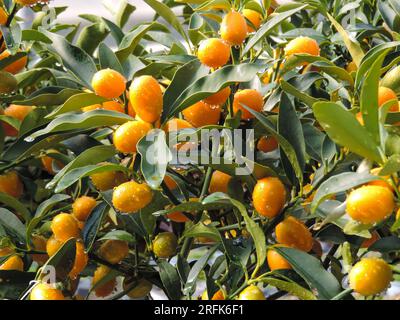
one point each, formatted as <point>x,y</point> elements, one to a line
<point>39,243</point>
<point>11,184</point>
<point>108,179</point>
<point>81,260</point>
<point>113,106</point>
<point>370,276</point>
<point>106,288</point>
<point>146,97</point>
<point>276,261</point>
<point>219,182</point>
<point>254,17</point>
<point>179,216</point>
<point>17,112</point>
<point>250,98</point>
<point>234,28</point>
<point>267,144</point>
<point>165,244</point>
<point>383,183</point>
<point>65,226</point>
<point>82,207</point>
<point>351,67</point>
<point>53,245</point>
<point>131,196</point>
<point>218,98</point>
<point>128,135</point>
<point>302,45</point>
<point>114,251</point>
<point>16,66</point>
<point>108,83</point>
<point>370,204</point>
<point>44,291</point>
<point>269,196</point>
<point>131,110</point>
<point>370,241</point>
<point>3,17</point>
<point>48,163</point>
<point>252,292</point>
<point>293,233</point>
<point>202,114</point>
<point>140,290</point>
<point>13,263</point>
<point>214,53</point>
<point>385,95</point>
<point>219,295</point>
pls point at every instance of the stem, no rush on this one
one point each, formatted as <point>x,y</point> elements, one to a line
<point>9,20</point>
<point>331,253</point>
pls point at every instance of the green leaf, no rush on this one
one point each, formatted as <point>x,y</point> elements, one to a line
<point>170,279</point>
<point>63,261</point>
<point>344,129</point>
<point>339,183</point>
<point>108,59</point>
<point>209,85</point>
<point>15,204</point>
<point>75,175</point>
<point>391,166</point>
<point>202,230</point>
<point>49,99</point>
<point>155,156</point>
<point>118,235</point>
<point>124,12</point>
<point>34,35</point>
<point>93,224</point>
<point>307,99</point>
<point>91,36</point>
<point>12,224</point>
<point>87,120</point>
<point>352,45</point>
<point>386,245</point>
<point>269,27</point>
<point>77,61</point>
<point>14,283</point>
<point>90,156</point>
<point>291,287</point>
<point>311,270</point>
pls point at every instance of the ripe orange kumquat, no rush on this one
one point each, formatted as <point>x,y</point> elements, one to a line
<point>17,112</point>
<point>108,179</point>
<point>218,98</point>
<point>276,261</point>
<point>146,97</point>
<point>370,204</point>
<point>44,291</point>
<point>11,184</point>
<point>202,114</point>
<point>105,289</point>
<point>254,17</point>
<point>267,144</point>
<point>114,251</point>
<point>302,45</point>
<point>269,197</point>
<point>293,233</point>
<point>16,66</point>
<point>108,83</point>
<point>214,53</point>
<point>131,196</point>
<point>250,98</point>
<point>65,226</point>
<point>219,182</point>
<point>128,135</point>
<point>385,95</point>
<point>82,207</point>
<point>234,28</point>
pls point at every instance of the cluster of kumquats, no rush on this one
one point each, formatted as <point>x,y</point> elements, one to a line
<point>142,99</point>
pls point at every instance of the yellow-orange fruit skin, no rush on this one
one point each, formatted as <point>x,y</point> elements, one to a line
<point>218,98</point>
<point>386,95</point>
<point>16,66</point>
<point>108,179</point>
<point>302,45</point>
<point>202,114</point>
<point>370,204</point>
<point>142,288</point>
<point>65,226</point>
<point>44,291</point>
<point>82,207</point>
<point>370,276</point>
<point>17,112</point>
<point>81,260</point>
<point>269,196</point>
<point>53,245</point>
<point>219,182</point>
<point>13,263</point>
<point>276,261</point>
<point>252,292</point>
<point>3,17</point>
<point>108,83</point>
<point>234,28</point>
<point>107,288</point>
<point>128,135</point>
<point>293,233</point>
<point>11,184</point>
<point>267,144</point>
<point>114,251</point>
<point>254,17</point>
<point>351,67</point>
<point>383,183</point>
<point>165,244</point>
<point>146,97</point>
<point>131,196</point>
<point>39,244</point>
<point>214,53</point>
<point>250,98</point>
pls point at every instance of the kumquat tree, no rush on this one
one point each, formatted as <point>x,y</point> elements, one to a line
<point>219,150</point>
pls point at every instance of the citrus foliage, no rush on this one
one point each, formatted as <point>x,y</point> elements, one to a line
<point>83,190</point>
